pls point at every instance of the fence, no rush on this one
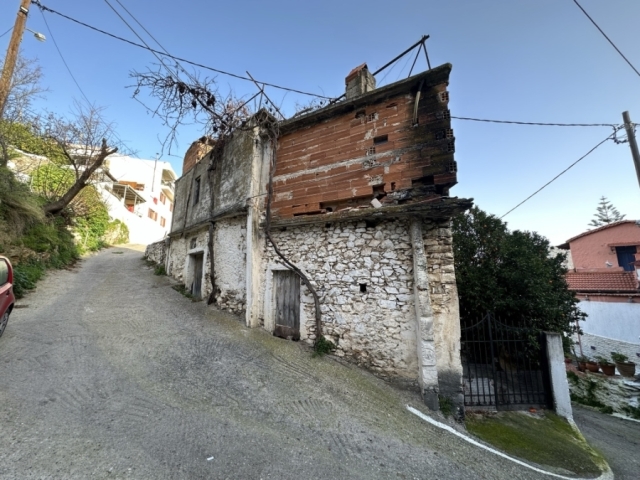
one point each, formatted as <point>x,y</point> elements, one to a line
<point>505,366</point>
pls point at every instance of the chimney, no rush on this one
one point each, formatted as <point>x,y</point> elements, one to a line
<point>196,152</point>
<point>359,81</point>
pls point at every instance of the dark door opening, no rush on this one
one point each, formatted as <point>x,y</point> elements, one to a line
<point>286,286</point>
<point>196,285</point>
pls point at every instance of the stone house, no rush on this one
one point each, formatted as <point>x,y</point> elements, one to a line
<point>605,278</point>
<point>360,203</point>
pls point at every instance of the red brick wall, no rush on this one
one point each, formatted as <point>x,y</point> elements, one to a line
<point>331,165</point>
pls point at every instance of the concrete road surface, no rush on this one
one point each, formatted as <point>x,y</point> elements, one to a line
<point>110,373</point>
<point>617,439</point>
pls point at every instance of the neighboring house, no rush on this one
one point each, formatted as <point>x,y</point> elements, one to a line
<point>605,278</point>
<point>140,193</point>
<point>360,204</point>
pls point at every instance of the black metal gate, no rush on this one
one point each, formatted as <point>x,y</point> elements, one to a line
<point>504,366</point>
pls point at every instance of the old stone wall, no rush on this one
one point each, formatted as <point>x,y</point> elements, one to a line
<point>444,302</point>
<point>156,252</point>
<point>364,275</point>
<point>596,345</point>
<point>230,256</point>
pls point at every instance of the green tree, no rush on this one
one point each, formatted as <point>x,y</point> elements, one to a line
<point>510,274</point>
<point>606,213</point>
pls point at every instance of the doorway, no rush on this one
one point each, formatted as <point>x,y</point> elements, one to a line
<point>197,262</point>
<point>286,286</point>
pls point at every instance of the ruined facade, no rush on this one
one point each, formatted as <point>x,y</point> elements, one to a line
<point>361,205</point>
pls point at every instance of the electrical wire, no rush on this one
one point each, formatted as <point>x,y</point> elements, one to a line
<point>62,57</point>
<point>605,36</point>
<point>538,123</point>
<point>178,59</point>
<point>10,28</point>
<point>609,137</point>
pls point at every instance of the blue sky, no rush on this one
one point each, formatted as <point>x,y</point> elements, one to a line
<point>540,61</point>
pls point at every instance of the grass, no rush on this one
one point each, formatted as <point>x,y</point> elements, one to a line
<point>546,439</point>
<point>322,346</point>
<point>184,291</point>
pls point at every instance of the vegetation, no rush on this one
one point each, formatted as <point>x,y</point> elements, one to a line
<point>603,361</point>
<point>619,357</point>
<point>49,211</point>
<point>322,346</point>
<point>159,270</point>
<point>589,398</point>
<point>546,439</point>
<point>605,213</point>
<point>511,274</point>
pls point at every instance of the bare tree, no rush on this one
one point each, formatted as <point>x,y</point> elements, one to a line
<point>86,140</point>
<point>25,87</point>
<point>194,101</point>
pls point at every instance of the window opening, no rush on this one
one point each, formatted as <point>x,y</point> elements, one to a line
<point>363,288</point>
<point>196,191</point>
<point>381,139</point>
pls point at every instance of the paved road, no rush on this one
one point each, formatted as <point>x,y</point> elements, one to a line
<point>617,439</point>
<point>110,373</point>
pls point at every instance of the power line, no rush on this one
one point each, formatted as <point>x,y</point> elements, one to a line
<point>538,123</point>
<point>605,36</point>
<point>62,57</point>
<point>179,59</point>
<point>558,176</point>
<point>10,28</point>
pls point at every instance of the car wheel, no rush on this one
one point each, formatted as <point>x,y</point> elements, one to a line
<point>3,322</point>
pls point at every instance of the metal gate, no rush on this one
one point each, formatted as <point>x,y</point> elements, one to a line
<point>287,300</point>
<point>504,366</point>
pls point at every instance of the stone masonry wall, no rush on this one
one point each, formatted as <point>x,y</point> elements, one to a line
<point>156,252</point>
<point>375,328</point>
<point>595,345</point>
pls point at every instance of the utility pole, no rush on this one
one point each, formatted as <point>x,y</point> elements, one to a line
<point>631,136</point>
<point>12,53</point>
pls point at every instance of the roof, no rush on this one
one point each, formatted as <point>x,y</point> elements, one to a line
<point>565,245</point>
<point>613,282</point>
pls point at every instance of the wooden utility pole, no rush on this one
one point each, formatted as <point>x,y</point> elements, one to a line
<point>12,53</point>
<point>631,136</point>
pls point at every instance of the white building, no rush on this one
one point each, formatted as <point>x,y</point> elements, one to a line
<point>141,195</point>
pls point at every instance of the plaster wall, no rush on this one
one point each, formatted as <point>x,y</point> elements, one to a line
<point>617,321</point>
<point>592,251</point>
<point>230,252</point>
<point>180,258</point>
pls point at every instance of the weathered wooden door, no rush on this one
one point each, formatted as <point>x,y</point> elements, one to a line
<point>286,286</point>
<point>196,286</point>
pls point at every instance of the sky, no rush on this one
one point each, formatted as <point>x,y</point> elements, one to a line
<point>522,60</point>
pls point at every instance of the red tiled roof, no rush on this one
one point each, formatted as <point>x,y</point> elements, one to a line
<point>603,281</point>
<point>355,71</point>
<point>589,232</point>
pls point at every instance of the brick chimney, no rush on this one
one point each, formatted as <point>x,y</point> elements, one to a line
<point>196,152</point>
<point>359,81</point>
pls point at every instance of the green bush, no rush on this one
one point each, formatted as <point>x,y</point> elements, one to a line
<point>25,276</point>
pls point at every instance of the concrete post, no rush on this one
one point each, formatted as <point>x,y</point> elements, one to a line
<point>558,375</point>
<point>427,371</point>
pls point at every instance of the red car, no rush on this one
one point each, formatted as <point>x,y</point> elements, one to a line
<point>7,298</point>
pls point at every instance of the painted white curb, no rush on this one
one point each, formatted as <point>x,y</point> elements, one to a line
<point>607,475</point>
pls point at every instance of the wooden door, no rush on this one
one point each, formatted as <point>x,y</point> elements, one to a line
<point>286,286</point>
<point>196,286</point>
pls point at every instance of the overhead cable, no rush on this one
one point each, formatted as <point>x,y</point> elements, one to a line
<point>605,36</point>
<point>537,123</point>
<point>10,28</point>
<point>179,59</point>
<point>609,137</point>
<point>63,60</point>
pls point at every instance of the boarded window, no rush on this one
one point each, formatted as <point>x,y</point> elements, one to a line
<point>163,198</point>
<point>153,215</point>
<point>163,221</point>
